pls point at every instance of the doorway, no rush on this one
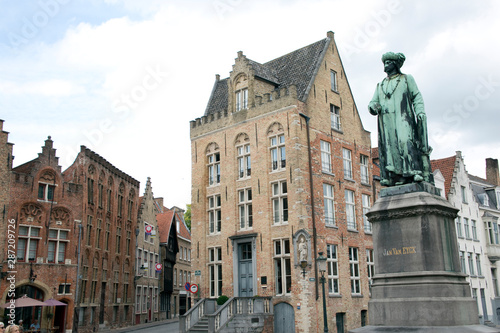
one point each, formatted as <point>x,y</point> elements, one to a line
<point>340,322</point>
<point>284,318</point>
<point>245,270</point>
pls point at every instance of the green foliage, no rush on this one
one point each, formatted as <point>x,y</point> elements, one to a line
<point>187,216</point>
<point>222,299</point>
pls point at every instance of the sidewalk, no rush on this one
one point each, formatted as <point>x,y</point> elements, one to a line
<point>140,326</point>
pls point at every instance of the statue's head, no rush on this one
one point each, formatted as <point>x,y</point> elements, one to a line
<point>393,62</point>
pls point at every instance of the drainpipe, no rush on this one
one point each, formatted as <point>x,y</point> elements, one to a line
<point>312,203</point>
<point>76,304</point>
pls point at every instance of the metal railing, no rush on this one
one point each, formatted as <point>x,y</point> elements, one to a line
<point>199,310</point>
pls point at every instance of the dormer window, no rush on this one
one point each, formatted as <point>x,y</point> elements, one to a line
<point>242,99</point>
<point>46,192</point>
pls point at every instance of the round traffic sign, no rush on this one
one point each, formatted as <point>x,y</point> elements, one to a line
<point>194,288</point>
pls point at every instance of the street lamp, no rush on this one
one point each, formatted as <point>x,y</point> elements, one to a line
<point>303,264</point>
<point>322,268</point>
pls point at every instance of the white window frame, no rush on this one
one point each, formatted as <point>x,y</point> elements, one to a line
<point>329,205</point>
<point>354,271</point>
<point>29,242</point>
<point>363,166</point>
<point>326,156</point>
<point>215,271</point>
<point>366,201</point>
<point>213,166</point>
<point>466,227</point>
<point>370,267</point>
<point>333,269</point>
<point>214,214</point>
<point>245,208</point>
<point>241,97</point>
<point>350,210</point>
<point>244,161</point>
<point>335,117</point>
<point>282,266</point>
<point>470,262</point>
<point>46,191</point>
<point>279,202</point>
<point>278,152</point>
<point>58,241</point>
<point>474,229</point>
<point>333,80</point>
<point>478,265</point>
<point>347,162</point>
<point>459,227</point>
<point>463,268</point>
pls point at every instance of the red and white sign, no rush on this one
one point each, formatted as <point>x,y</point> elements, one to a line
<point>194,288</point>
<point>158,268</point>
<point>149,229</point>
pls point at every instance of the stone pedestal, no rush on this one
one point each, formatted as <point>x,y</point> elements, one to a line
<point>418,284</point>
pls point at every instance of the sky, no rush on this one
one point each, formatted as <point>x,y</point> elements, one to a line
<point>125,77</point>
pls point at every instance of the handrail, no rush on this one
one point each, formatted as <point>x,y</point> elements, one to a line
<point>238,306</point>
<point>191,317</point>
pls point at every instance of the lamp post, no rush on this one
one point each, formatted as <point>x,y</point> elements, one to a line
<point>303,264</point>
<point>322,268</point>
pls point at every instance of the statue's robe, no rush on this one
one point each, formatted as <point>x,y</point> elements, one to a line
<point>400,148</point>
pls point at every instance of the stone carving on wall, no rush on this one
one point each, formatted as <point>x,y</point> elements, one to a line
<point>302,247</point>
<point>275,128</point>
<point>48,177</point>
<point>60,214</point>
<point>31,212</point>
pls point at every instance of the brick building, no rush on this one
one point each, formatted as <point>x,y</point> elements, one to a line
<point>5,170</point>
<point>175,242</point>
<point>280,165</point>
<point>147,256</point>
<point>47,211</point>
<point>109,210</point>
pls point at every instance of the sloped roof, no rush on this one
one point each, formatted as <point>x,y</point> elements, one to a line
<point>297,68</point>
<point>447,167</point>
<point>25,168</point>
<point>164,221</point>
<point>183,230</point>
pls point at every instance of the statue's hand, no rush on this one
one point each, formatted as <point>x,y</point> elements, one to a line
<point>375,108</point>
<point>422,117</point>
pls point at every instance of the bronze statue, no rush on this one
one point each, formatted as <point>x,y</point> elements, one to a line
<point>402,126</point>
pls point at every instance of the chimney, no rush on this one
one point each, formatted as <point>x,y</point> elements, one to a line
<point>492,171</point>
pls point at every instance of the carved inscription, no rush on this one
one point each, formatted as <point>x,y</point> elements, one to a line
<point>400,251</point>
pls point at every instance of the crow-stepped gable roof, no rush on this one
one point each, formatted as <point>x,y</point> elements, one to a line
<point>297,68</point>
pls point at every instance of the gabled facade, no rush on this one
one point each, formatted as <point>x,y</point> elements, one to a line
<point>486,193</point>
<point>108,213</point>
<point>147,256</point>
<point>6,159</point>
<point>175,247</point>
<point>452,178</point>
<point>281,171</point>
<point>44,215</point>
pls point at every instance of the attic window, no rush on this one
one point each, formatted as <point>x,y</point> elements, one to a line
<point>484,199</point>
<point>242,99</point>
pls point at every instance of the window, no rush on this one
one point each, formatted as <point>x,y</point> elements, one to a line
<point>279,202</point>
<point>214,169</point>
<point>118,239</point>
<point>58,241</point>
<point>495,281</point>
<point>363,161</point>
<point>326,157</point>
<point>346,154</point>
<point>90,190</point>
<point>466,227</point>
<point>478,265</point>
<point>245,208</point>
<point>106,239</point>
<point>492,232</point>
<point>366,208</point>
<point>98,234</point>
<point>474,229</point>
<point>278,155</point>
<point>335,117</point>
<point>483,199</point>
<point>108,201</point>
<point>464,194</point>
<point>46,192</point>
<point>370,267</point>
<point>144,299</point>
<point>354,271</point>
<point>333,271</point>
<point>27,244</point>
<point>329,205</point>
<point>470,260</point>
<point>242,99</point>
<point>333,80</point>
<point>350,210</point>
<point>130,206</point>
<point>459,227</point>
<point>462,262</point>
<point>215,271</point>
<point>244,163</point>
<point>214,214</point>
<point>282,267</point>
<point>120,205</point>
<point>100,188</point>
<point>147,237</point>
<point>64,289</point>
<point>127,244</point>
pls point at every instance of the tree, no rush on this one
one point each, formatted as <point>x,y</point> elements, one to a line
<point>187,216</point>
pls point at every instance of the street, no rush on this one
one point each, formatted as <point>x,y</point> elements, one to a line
<point>172,327</point>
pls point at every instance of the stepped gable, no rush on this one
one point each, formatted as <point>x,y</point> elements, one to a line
<point>296,68</point>
<point>447,167</point>
<point>102,161</point>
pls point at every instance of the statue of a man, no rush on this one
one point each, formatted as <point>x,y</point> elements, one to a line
<point>402,126</point>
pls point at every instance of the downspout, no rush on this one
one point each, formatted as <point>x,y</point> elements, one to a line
<point>76,307</point>
<point>312,203</point>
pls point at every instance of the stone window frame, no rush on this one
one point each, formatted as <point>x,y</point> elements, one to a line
<point>283,259</point>
<point>333,81</point>
<point>46,192</point>
<point>215,276</point>
<point>335,121</point>
<point>279,202</point>
<point>363,168</point>
<point>350,209</point>
<point>347,163</point>
<point>332,261</point>
<point>214,168</point>
<point>470,262</point>
<point>277,150</point>
<point>366,204</point>
<point>370,267</point>
<point>354,271</point>
<point>214,212</point>
<point>245,212</point>
<point>329,200</point>
<point>243,160</point>
<point>28,238</point>
<point>326,156</point>
<point>58,241</point>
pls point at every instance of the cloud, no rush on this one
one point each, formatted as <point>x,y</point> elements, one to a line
<point>53,88</point>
